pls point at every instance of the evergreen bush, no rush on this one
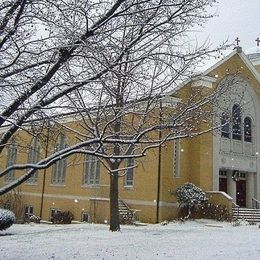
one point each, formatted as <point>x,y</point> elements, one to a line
<point>212,211</point>
<point>62,217</point>
<point>189,196</point>
<point>7,219</point>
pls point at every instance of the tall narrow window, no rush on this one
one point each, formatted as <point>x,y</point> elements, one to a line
<point>225,130</point>
<point>59,168</point>
<point>247,129</point>
<point>236,121</point>
<point>11,159</point>
<point>91,174</point>
<point>129,176</point>
<point>33,157</point>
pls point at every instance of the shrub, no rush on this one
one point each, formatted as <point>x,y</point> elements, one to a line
<point>62,217</point>
<point>13,201</point>
<point>212,211</point>
<point>7,219</point>
<point>34,219</point>
<point>207,210</point>
<point>189,195</point>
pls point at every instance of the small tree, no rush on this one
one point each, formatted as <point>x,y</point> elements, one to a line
<point>190,195</point>
<point>13,201</point>
<point>7,219</point>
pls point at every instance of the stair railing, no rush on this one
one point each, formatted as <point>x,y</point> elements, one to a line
<point>237,207</point>
<point>255,203</point>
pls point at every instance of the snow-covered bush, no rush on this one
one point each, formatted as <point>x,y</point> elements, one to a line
<point>7,219</point>
<point>62,217</point>
<point>34,219</point>
<point>189,195</point>
<point>212,211</point>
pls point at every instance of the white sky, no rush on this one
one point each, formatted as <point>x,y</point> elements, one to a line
<point>236,18</point>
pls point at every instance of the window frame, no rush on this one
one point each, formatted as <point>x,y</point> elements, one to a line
<point>11,158</point>
<point>91,171</point>
<point>28,214</point>
<point>130,169</point>
<point>225,125</point>
<point>236,123</point>
<point>248,137</point>
<point>33,157</point>
<point>84,213</point>
<point>59,169</point>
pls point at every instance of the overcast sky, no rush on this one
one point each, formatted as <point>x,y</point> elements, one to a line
<point>236,18</point>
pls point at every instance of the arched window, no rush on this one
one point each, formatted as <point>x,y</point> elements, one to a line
<point>247,129</point>
<point>91,174</point>
<point>236,122</point>
<point>33,157</point>
<point>225,125</point>
<point>59,168</point>
<point>11,159</point>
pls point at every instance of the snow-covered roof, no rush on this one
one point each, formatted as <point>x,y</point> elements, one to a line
<point>245,59</point>
<point>207,79</point>
<point>253,54</point>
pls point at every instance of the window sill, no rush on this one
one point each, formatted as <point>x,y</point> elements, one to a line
<point>129,187</point>
<point>90,186</point>
<point>31,184</point>
<point>57,185</point>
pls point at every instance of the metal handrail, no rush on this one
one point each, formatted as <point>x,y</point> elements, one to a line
<point>255,203</point>
<point>237,207</point>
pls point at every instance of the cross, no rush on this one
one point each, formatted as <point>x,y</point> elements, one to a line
<point>237,40</point>
<point>257,41</point>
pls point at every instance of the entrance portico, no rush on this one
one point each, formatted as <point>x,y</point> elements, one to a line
<point>239,185</point>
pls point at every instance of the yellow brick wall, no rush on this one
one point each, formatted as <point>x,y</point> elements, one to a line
<point>195,166</point>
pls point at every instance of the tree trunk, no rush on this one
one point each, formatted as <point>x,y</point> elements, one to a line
<point>114,213</point>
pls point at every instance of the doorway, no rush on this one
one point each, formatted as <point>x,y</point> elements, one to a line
<point>241,193</point>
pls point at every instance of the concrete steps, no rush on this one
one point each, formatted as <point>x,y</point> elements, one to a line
<point>126,215</point>
<point>250,215</point>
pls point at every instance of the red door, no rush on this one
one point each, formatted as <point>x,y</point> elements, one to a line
<point>241,193</point>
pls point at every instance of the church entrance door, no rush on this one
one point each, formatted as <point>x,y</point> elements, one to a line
<point>241,193</point>
<point>223,184</point>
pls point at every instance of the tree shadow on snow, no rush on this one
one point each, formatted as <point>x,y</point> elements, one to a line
<point>6,234</point>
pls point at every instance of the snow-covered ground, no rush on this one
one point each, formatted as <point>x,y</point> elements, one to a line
<point>201,239</point>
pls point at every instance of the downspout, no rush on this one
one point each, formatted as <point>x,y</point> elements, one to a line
<point>159,168</point>
<point>45,170</point>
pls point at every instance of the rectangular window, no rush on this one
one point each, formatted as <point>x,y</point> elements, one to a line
<point>59,168</point>
<point>33,158</point>
<point>11,160</point>
<point>53,212</point>
<point>85,217</point>
<point>59,172</point>
<point>28,212</point>
<point>91,174</point>
<point>176,158</point>
<point>129,176</point>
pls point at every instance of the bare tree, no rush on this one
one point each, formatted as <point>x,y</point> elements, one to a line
<point>111,64</point>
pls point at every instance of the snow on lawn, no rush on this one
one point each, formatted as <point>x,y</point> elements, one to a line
<point>201,239</point>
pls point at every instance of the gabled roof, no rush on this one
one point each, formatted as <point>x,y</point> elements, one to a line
<point>238,51</point>
<point>204,79</point>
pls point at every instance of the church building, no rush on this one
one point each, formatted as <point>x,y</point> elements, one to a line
<point>224,163</point>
